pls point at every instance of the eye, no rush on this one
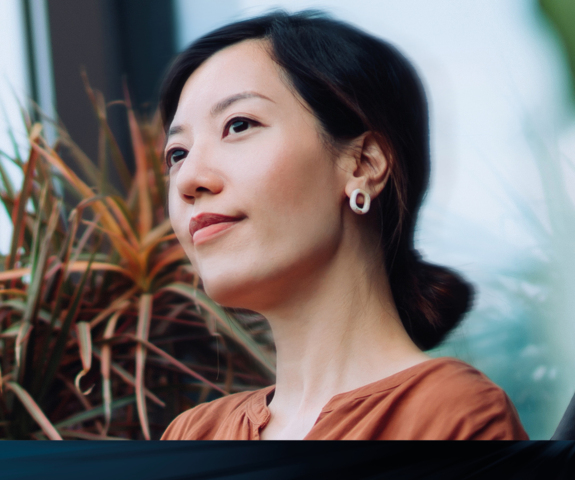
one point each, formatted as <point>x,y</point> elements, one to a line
<point>175,155</point>
<point>238,125</point>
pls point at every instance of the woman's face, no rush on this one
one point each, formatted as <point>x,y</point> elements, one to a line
<point>247,155</point>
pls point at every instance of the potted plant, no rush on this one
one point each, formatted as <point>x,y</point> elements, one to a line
<point>105,332</point>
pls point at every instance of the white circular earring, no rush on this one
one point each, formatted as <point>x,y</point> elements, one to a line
<point>353,201</point>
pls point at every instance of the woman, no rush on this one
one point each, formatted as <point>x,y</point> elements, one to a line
<point>298,155</point>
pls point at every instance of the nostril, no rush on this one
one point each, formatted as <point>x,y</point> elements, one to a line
<point>191,197</point>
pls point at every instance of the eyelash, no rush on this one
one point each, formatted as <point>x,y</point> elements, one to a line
<point>238,119</point>
<point>225,133</point>
<point>171,152</point>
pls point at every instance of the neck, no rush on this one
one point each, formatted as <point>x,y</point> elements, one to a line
<point>339,331</point>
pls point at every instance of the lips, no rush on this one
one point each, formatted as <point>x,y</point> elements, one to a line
<point>207,224</point>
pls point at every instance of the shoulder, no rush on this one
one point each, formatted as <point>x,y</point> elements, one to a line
<point>202,421</point>
<point>457,401</point>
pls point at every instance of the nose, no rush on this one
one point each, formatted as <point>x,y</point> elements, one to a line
<point>197,176</point>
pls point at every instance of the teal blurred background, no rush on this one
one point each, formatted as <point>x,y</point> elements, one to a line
<point>501,204</point>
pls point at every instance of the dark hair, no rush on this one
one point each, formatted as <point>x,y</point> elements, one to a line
<point>355,83</point>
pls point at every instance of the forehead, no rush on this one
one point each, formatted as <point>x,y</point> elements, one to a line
<point>242,67</point>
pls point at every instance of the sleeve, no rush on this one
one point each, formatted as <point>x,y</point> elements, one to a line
<point>483,414</point>
<point>460,403</point>
<point>494,419</point>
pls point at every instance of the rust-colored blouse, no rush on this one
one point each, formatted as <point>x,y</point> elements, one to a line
<point>439,399</point>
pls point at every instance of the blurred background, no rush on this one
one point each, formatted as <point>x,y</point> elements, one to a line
<point>501,203</point>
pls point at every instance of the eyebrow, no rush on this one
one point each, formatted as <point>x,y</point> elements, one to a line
<point>221,106</point>
<point>175,130</point>
<point>226,102</point>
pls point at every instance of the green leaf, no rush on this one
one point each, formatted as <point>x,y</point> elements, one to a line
<point>144,213</point>
<point>12,330</point>
<point>142,333</point>
<point>128,378</point>
<point>20,306</point>
<point>227,324</point>
<point>6,182</point>
<point>34,410</point>
<point>175,362</point>
<point>94,412</point>
<point>62,339</point>
<point>105,365</point>
<point>87,435</point>
<point>35,288</point>
<point>18,223</point>
<point>117,157</point>
<point>85,344</point>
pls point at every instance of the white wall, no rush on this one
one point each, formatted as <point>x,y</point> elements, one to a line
<point>197,17</point>
<point>501,202</point>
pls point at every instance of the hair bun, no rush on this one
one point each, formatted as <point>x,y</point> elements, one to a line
<point>433,301</point>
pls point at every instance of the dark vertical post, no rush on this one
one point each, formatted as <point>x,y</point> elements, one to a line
<point>111,40</point>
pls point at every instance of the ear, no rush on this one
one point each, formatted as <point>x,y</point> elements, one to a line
<point>369,168</point>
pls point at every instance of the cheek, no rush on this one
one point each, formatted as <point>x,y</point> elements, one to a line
<point>177,214</point>
<point>302,181</point>
<point>173,207</point>
<point>296,197</point>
